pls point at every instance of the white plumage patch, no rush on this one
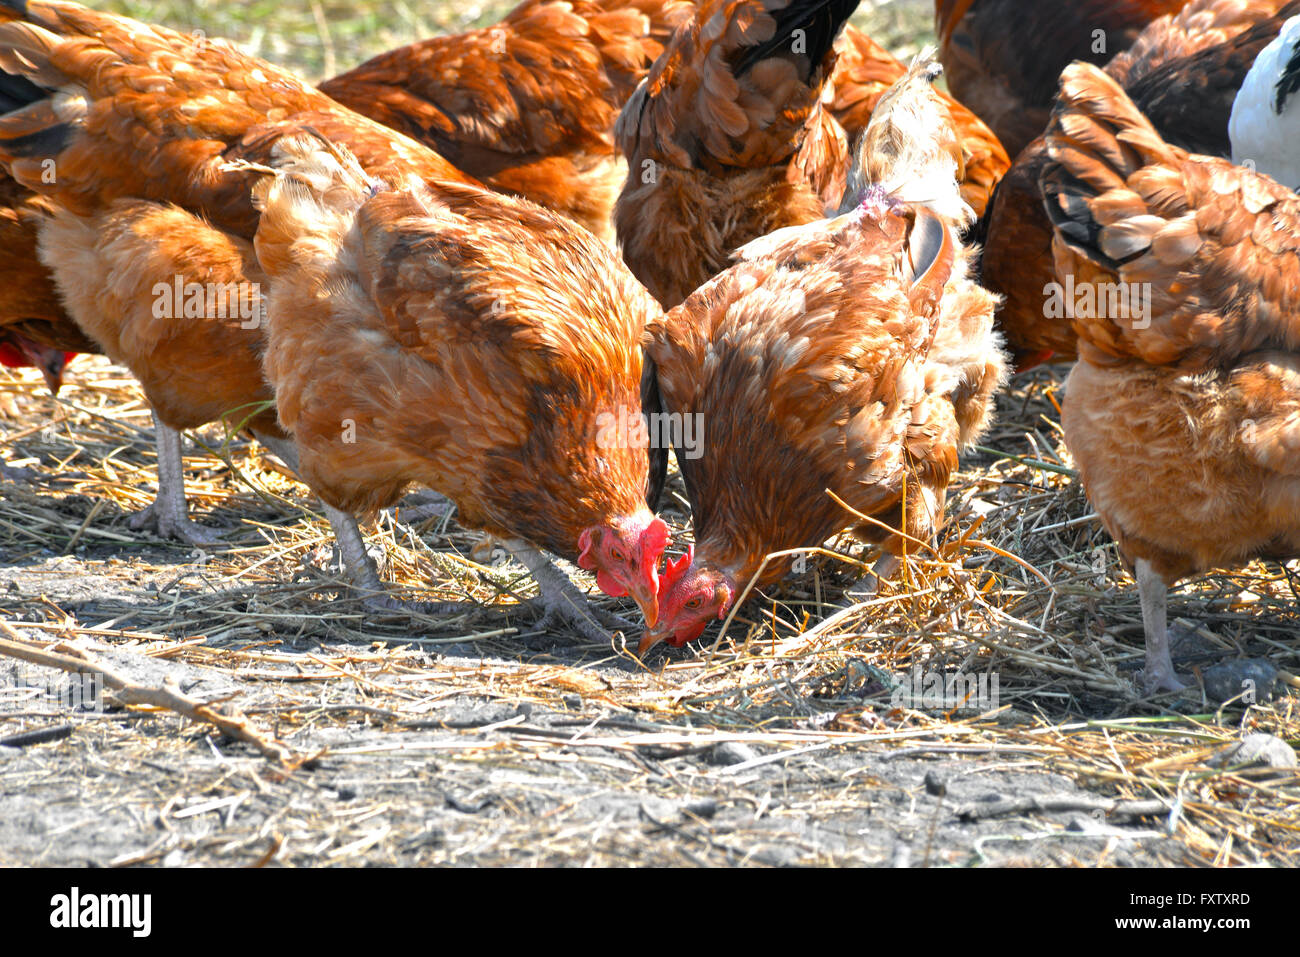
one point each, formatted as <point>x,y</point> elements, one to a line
<point>1265,123</point>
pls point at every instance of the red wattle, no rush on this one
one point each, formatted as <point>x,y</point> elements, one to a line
<point>609,584</point>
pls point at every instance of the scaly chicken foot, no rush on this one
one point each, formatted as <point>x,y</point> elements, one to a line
<point>166,514</point>
<point>868,586</point>
<point>1160,674</point>
<point>561,600</point>
<point>361,569</point>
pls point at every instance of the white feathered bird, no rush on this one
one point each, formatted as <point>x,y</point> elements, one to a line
<point>1265,122</point>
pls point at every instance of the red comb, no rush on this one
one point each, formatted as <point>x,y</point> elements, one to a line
<point>655,537</point>
<point>675,571</point>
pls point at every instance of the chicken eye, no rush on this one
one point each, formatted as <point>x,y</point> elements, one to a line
<point>693,603</point>
<point>617,554</point>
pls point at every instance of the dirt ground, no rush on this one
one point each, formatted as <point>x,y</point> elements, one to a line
<point>482,740</point>
<point>485,740</point>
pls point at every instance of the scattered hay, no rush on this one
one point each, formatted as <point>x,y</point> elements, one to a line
<point>1024,586</point>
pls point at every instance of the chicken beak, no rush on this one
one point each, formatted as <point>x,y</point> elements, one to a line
<point>49,361</point>
<point>53,380</point>
<point>647,597</point>
<point>649,640</point>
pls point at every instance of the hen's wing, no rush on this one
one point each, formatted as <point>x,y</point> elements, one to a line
<point>528,105</point>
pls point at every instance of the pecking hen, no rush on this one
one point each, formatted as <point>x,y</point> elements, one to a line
<point>849,358</point>
<point>443,334</point>
<point>527,105</point>
<point>1183,412</point>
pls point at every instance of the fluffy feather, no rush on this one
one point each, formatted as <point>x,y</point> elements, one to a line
<point>1183,72</point>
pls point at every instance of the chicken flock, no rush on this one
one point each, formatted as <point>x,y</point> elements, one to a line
<point>481,264</point>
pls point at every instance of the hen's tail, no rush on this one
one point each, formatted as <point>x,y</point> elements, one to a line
<point>736,85</point>
<point>911,151</point>
<point>309,199</point>
<point>1162,255</point>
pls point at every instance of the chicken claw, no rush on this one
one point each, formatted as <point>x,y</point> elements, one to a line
<point>1160,674</point>
<point>166,514</point>
<point>561,600</point>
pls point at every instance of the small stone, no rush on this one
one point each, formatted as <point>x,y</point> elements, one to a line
<point>347,794</point>
<point>705,808</point>
<point>729,753</point>
<point>572,701</point>
<point>934,784</point>
<point>1249,680</point>
<point>1257,750</point>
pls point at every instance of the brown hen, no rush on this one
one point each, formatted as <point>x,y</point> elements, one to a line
<point>1184,416</point>
<point>849,358</point>
<point>1003,57</point>
<point>527,105</point>
<point>475,343</point>
<point>1183,73</point>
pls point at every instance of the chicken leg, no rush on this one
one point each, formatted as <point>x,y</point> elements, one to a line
<point>560,598</point>
<point>868,586</point>
<point>365,577</point>
<point>166,514</point>
<point>1160,675</point>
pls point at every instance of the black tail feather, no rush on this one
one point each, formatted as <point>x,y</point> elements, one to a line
<point>820,21</point>
<point>18,91</point>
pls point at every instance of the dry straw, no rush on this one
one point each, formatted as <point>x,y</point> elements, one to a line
<point>1023,584</point>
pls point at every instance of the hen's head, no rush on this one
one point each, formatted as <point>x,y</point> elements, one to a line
<point>624,554</point>
<point>689,598</point>
<point>17,351</point>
